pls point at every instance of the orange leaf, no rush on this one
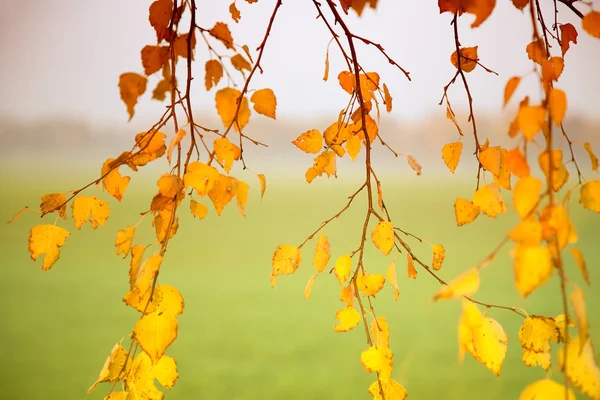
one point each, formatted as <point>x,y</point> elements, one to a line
<point>516,163</point>
<point>113,182</point>
<point>214,73</point>
<point>531,119</point>
<point>175,142</point>
<point>412,271</point>
<point>235,13</point>
<point>131,87</point>
<point>347,81</point>
<point>465,211</point>
<point>558,105</point>
<point>468,58</point>
<point>222,192</point>
<point>591,23</point>
<point>180,45</point>
<point>226,101</point>
<point>153,58</point>
<point>560,174</point>
<point>86,208</point>
<point>239,62</point>
<point>414,164</point>
<point>201,177</point>
<point>593,158</point>
<point>309,142</point>
<point>241,195</point>
<point>265,102</point>
<point>226,152</point>
<point>520,4</point>
<point>160,17</point>
<point>536,51</point>
<point>568,34</point>
<point>286,260</point>
<point>482,9</point>
<point>221,32</point>
<point>511,86</point>
<point>387,98</point>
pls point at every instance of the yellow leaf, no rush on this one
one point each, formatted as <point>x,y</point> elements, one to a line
<point>590,196</point>
<point>140,380</point>
<point>591,24</point>
<point>131,87</point>
<point>353,146</point>
<point>324,163</point>
<point>54,202</point>
<point>593,158</point>
<point>491,159</point>
<point>151,145</point>
<point>464,285</point>
<point>309,142</point>
<point>342,268</point>
<point>581,369</point>
<point>200,177</point>
<point>347,295</point>
<point>145,275</point>
<point>412,272</point>
<point>263,184</point>
<point>560,175</point>
<point>164,298</point>
<point>221,32</point>
<point>137,253</point>
<point>533,267</point>
<point>450,116</point>
<point>240,63</point>
<point>387,98</point>
<point>465,211</point>
<point>580,261</point>
<point>451,154</point>
<point>558,105</point>
<point>124,240</point>
<point>532,358</point>
<point>390,274</point>
<point>86,208</point>
<point>322,253</point>
<point>535,335</point>
<point>557,224</point>
<point>546,389</point>
<point>510,88</point>
<point>113,366</point>
<point>348,318</point>
<point>490,343</point>
<point>468,58</point>
<point>383,237</point>
<point>378,359</point>
<point>392,390</point>
<point>369,284</point>
<point>380,331</point>
<point>198,210</point>
<point>113,182</point>
<point>241,195</point>
<point>489,200</point>
<point>309,285</point>
<point>163,225</point>
<point>222,192</point>
<point>175,142</point>
<point>470,319</point>
<point>165,371</point>
<point>265,102</point>
<point>439,253</point>
<point>530,120</point>
<point>214,73</point>
<point>226,152</point>
<point>526,195</point>
<point>155,332</point>
<point>226,101</point>
<point>286,260</point>
<point>578,300</point>
<point>528,232</point>
<point>117,396</point>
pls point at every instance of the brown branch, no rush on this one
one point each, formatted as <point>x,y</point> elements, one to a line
<point>382,51</point>
<point>569,4</point>
<point>573,159</point>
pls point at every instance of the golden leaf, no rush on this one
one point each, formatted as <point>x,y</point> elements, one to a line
<point>489,200</point>
<point>546,389</point>
<point>509,89</point>
<point>54,202</point>
<point>468,58</point>
<point>113,182</point>
<point>391,390</point>
<point>387,98</point>
<point>200,177</point>
<point>221,32</point>
<point>235,13</point>
<point>222,192</point>
<point>451,155</point>
<point>516,163</point>
<point>412,272</point>
<point>336,133</point>
<point>263,184</point>
<point>590,196</point>
<point>530,120</point>
<point>342,268</point>
<point>140,380</point>
<point>581,368</point>
<point>390,274</point>
<point>322,253</point>
<point>378,359</point>
<point>286,260</point>
<point>348,318</point>
<point>491,159</point>
<point>380,331</point>
<point>580,261</point>
<point>465,211</point>
<point>347,295</point>
<point>536,51</point>
<point>309,142</point>
<point>593,158</point>
<point>558,105</point>
<point>165,371</point>
<point>353,146</point>
<point>557,224</point>
<point>131,87</point>
<point>527,232</point>
<point>124,240</point>
<point>383,237</point>
<point>153,58</point>
<point>535,335</point>
<point>226,152</point>
<point>241,195</point>
<point>265,102</point>
<point>470,319</point>
<point>137,253</point>
<point>144,276</point>
<point>240,63</point>
<point>214,73</point>
<point>438,256</point>
<point>490,344</point>
<point>113,366</point>
<point>533,267</point>
<point>86,208</point>
<point>175,142</point>
<point>591,24</point>
<point>309,285</point>
<point>226,101</point>
<point>370,284</point>
<point>198,210</point>
<point>560,174</point>
<point>526,195</point>
<point>578,300</point>
<point>464,285</point>
<point>155,332</point>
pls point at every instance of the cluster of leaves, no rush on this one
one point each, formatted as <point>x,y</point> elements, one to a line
<point>202,161</point>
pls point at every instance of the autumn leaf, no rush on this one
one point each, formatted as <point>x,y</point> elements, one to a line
<point>309,142</point>
<point>438,256</point>
<point>342,268</point>
<point>489,200</point>
<point>144,275</point>
<point>213,73</point>
<point>470,319</point>
<point>591,23</point>
<point>263,184</point>
<point>131,87</point>
<point>370,284</point>
<point>526,195</point>
<point>241,195</point>
<point>348,318</point>
<point>265,102</point>
<point>535,335</point>
<point>235,13</point>
<point>414,164</point>
<point>530,120</point>
<point>590,196</point>
<point>568,34</point>
<point>54,202</point>
<point>581,369</point>
<point>465,211</point>
<point>516,162</point>
<point>491,159</point>
<point>222,192</point>
<point>378,359</point>
<point>160,17</point>
<point>387,98</point>
<point>221,31</point>
<point>47,239</point>
<point>309,285</point>
<point>346,81</point>
<point>87,208</point>
<point>527,232</point>
<point>520,4</point>
<point>511,86</point>
<point>558,105</point>
<point>490,344</point>
<point>112,370</point>
<point>322,253</point>
<point>326,73</point>
<point>155,332</point>
<point>359,5</point>
<point>412,272</point>
<point>593,158</point>
<point>239,62</point>
<point>383,237</point>
<point>227,103</point>
<point>546,389</point>
<point>578,301</point>
<point>482,9</point>
<point>286,260</point>
<point>200,177</point>
<point>153,58</point>
<point>390,275</point>
<point>165,298</point>
<point>556,224</point>
<point>226,152</point>
<point>451,155</point>
<point>554,160</point>
<point>536,51</point>
<point>198,210</point>
<point>124,240</point>
<point>468,58</point>
<point>175,142</point>
<point>391,390</point>
<point>532,266</point>
<point>113,182</point>
<point>464,285</point>
<point>581,264</point>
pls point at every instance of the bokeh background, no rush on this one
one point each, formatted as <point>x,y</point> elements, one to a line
<point>61,117</point>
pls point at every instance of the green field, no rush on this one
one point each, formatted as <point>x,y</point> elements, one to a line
<point>240,339</point>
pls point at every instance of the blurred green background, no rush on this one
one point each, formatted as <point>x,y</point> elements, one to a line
<point>238,338</point>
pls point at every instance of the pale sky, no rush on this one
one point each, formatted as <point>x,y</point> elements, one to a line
<point>64,57</point>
